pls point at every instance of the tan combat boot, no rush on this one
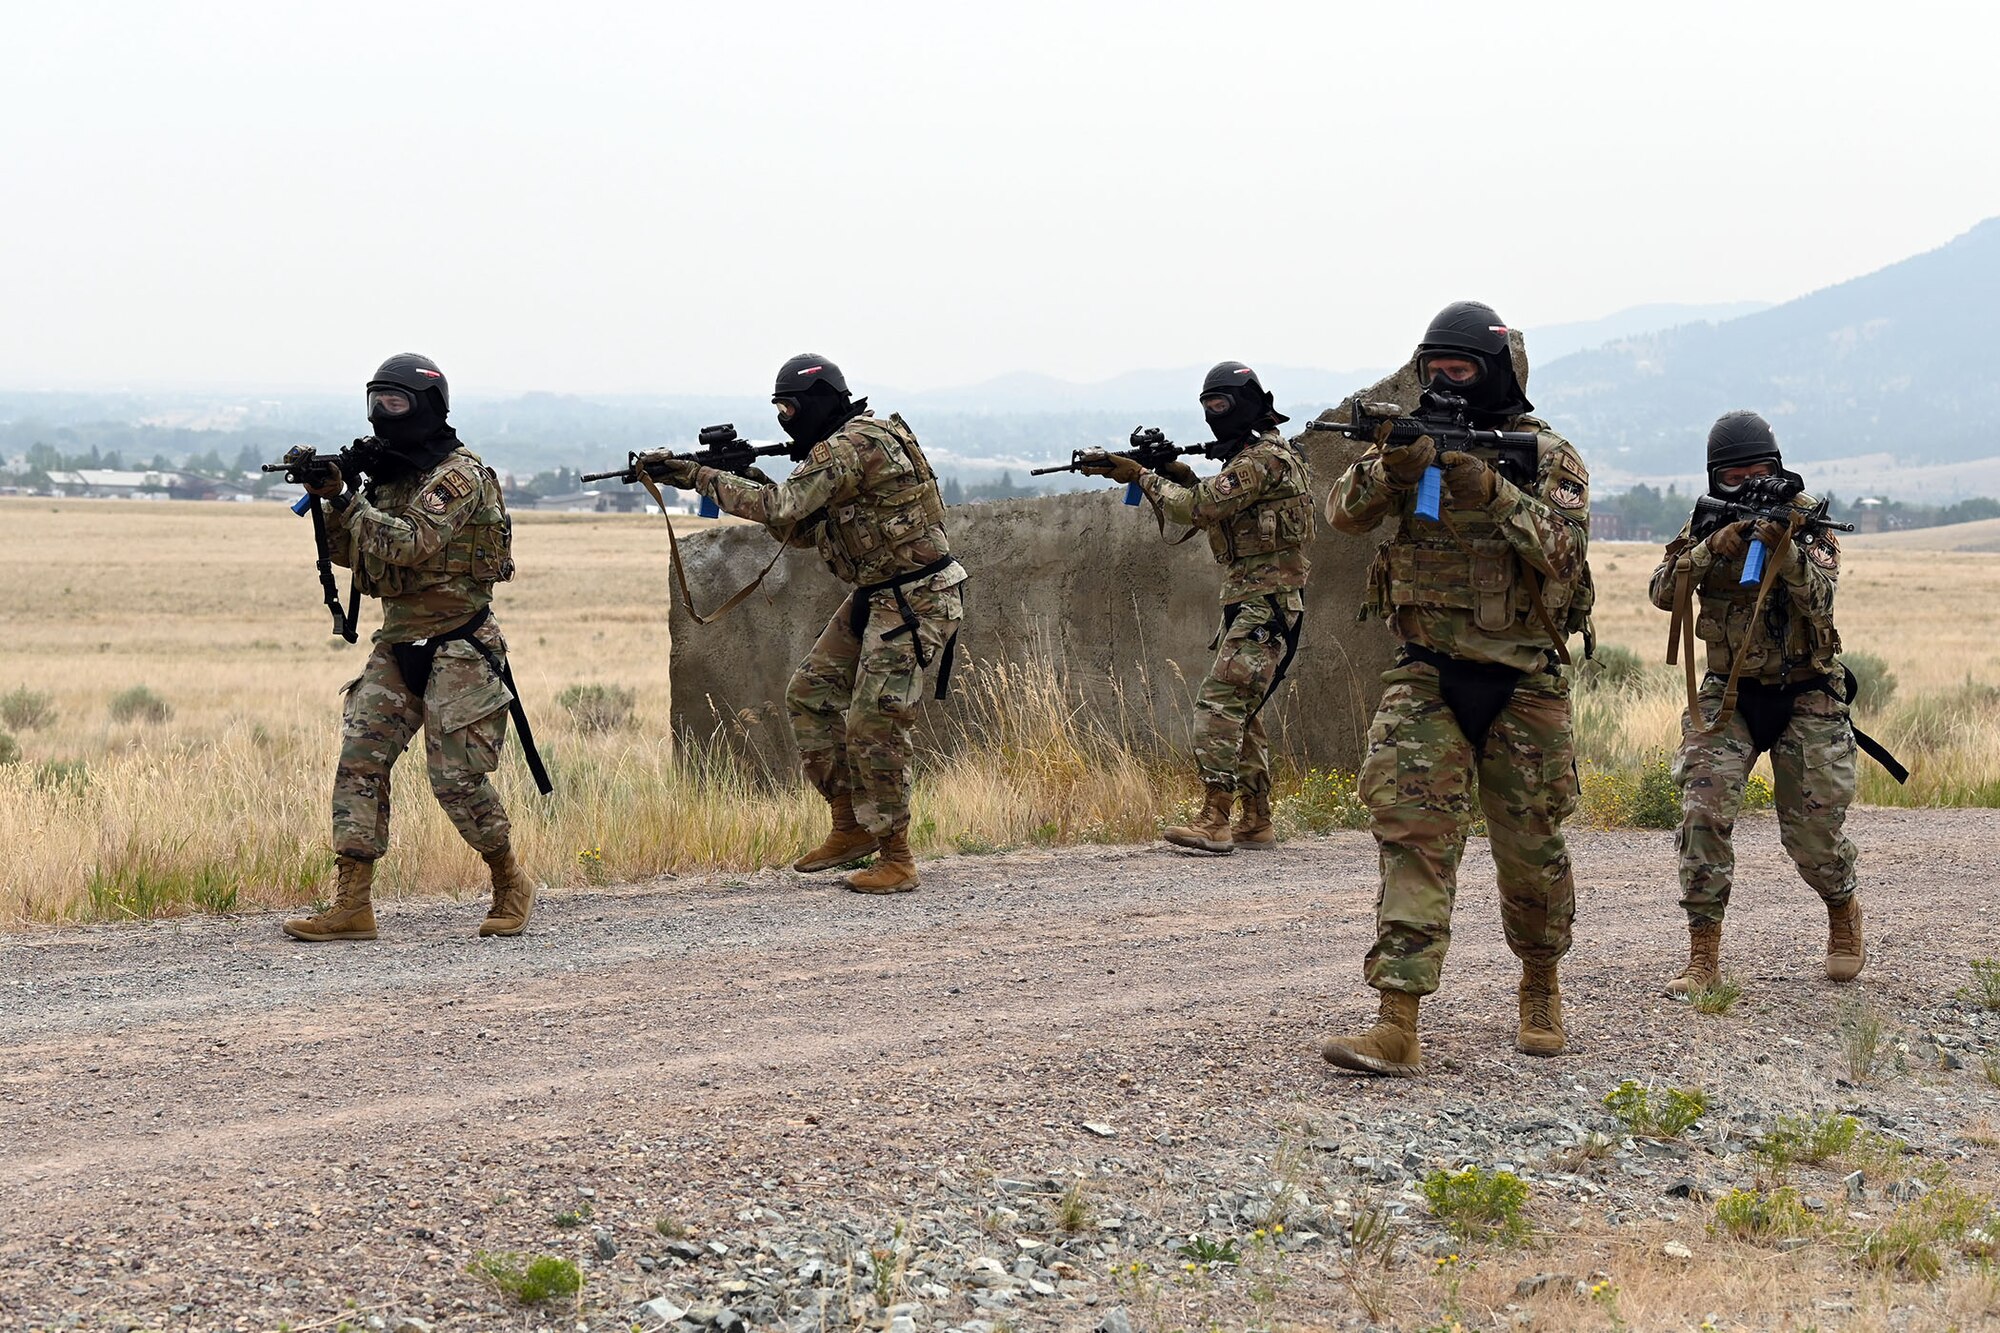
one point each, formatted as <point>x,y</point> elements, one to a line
<point>1390,1047</point>
<point>1252,830</point>
<point>1210,830</point>
<point>1704,965</point>
<point>1845,949</point>
<point>352,916</point>
<point>1541,1011</point>
<point>894,871</point>
<point>848,841</point>
<point>513,896</point>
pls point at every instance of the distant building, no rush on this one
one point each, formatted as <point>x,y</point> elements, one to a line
<point>1607,525</point>
<point>112,484</point>
<point>624,500</point>
<point>1869,513</point>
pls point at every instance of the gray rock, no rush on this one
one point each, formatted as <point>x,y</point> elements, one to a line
<point>1115,1321</point>
<point>411,1324</point>
<point>607,1248</point>
<point>1813,1203</point>
<point>659,1308</point>
<point>902,1323</point>
<point>1855,1192</point>
<point>1528,1286</point>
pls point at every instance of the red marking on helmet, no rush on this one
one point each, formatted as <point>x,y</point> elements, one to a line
<point>434,374</point>
<point>1496,328</point>
<point>1246,371</point>
<point>814,370</point>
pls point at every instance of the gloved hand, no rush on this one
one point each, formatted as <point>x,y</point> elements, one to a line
<point>1387,412</point>
<point>757,474</point>
<point>1404,465</point>
<point>1468,479</point>
<point>1177,471</point>
<point>1769,532</point>
<point>330,485</point>
<point>661,465</point>
<point>1729,541</point>
<point>1114,466</point>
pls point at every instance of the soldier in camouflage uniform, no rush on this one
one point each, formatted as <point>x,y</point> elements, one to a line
<point>1484,600</point>
<point>1258,516</point>
<point>430,536</point>
<point>865,497</point>
<point>1788,704</point>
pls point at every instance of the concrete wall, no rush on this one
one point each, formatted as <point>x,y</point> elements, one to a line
<point>1083,575</point>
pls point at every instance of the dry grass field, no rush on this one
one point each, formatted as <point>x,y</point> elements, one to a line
<point>210,789</point>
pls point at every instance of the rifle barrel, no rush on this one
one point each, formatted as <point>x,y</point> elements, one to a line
<point>627,473</point>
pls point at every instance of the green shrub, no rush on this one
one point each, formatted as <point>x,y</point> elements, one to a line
<point>1326,800</point>
<point>140,704</point>
<point>1476,1202</point>
<point>65,777</point>
<point>1749,1215</point>
<point>24,709</point>
<point>598,707</point>
<point>1909,1242</point>
<point>1666,1116</point>
<point>10,749</point>
<point>1810,1139</point>
<point>1874,683</point>
<point>1717,997</point>
<point>1986,982</point>
<point>527,1281</point>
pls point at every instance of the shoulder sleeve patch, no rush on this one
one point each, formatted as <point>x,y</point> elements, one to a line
<point>1568,493</point>
<point>1822,550</point>
<point>437,498</point>
<point>457,484</point>
<point>1228,483</point>
<point>821,455</point>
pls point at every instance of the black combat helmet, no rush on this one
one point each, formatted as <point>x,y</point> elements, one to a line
<point>408,399</point>
<point>812,400</point>
<point>409,370</point>
<point>1475,330</point>
<point>1250,403</point>
<point>1735,440</point>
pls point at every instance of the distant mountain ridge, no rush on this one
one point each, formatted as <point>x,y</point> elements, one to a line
<point>1897,361</point>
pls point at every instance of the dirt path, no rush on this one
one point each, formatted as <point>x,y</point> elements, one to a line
<point>765,1102</point>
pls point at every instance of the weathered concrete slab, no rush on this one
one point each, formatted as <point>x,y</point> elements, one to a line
<point>1082,575</point>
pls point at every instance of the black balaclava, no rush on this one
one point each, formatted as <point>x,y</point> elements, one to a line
<point>1477,331</point>
<point>818,391</point>
<point>1251,406</point>
<point>417,440</point>
<point>1737,439</point>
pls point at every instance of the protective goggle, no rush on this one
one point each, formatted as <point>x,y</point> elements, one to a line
<point>1457,368</point>
<point>1216,404</point>
<point>390,403</point>
<point>787,408</point>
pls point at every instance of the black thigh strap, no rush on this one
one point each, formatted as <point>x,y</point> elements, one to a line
<point>1475,692</point>
<point>414,660</point>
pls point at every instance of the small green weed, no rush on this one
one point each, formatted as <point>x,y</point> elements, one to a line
<point>1325,800</point>
<point>1876,1153</point>
<point>1073,1212</point>
<point>574,1217</point>
<point>1911,1242</point>
<point>140,704</point>
<point>1209,1253</point>
<point>1860,1025</point>
<point>1717,997</point>
<point>1666,1116</point>
<point>1476,1202</point>
<point>1986,982</point>
<point>10,749</point>
<point>1807,1139</point>
<point>672,1228</point>
<point>63,777</point>
<point>527,1280</point>
<point>1753,1216</point>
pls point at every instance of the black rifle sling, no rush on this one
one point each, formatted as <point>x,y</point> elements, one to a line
<point>414,661</point>
<point>343,624</point>
<point>679,571</point>
<point>1873,748</point>
<point>1773,559</point>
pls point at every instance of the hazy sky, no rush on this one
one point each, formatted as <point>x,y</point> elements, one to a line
<point>675,197</point>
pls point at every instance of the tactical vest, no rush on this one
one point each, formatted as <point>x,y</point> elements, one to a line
<point>481,551</point>
<point>1792,644</point>
<point>1281,520</point>
<point>895,524</point>
<point>1469,565</point>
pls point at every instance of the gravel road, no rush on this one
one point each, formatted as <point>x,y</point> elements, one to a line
<point>1005,1101</point>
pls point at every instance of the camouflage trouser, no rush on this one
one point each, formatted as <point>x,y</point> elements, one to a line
<point>1228,750</point>
<point>1417,782</point>
<point>1812,770</point>
<point>463,712</point>
<point>853,699</point>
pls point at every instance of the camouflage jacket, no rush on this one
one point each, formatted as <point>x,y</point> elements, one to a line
<point>865,497</point>
<point>1258,515</point>
<point>1467,585</point>
<point>1796,639</point>
<point>431,545</point>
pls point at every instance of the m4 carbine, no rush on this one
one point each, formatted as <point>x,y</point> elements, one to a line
<point>303,467</point>
<point>1151,449</point>
<point>1762,500</point>
<point>1445,418</point>
<point>721,449</point>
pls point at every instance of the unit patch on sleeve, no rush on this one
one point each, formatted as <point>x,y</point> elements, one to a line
<point>1568,492</point>
<point>1228,483</point>
<point>1821,551</point>
<point>438,498</point>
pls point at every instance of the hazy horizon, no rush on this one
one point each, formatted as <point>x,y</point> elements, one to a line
<point>648,199</point>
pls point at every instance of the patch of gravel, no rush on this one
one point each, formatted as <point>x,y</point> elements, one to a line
<point>1006,1101</point>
